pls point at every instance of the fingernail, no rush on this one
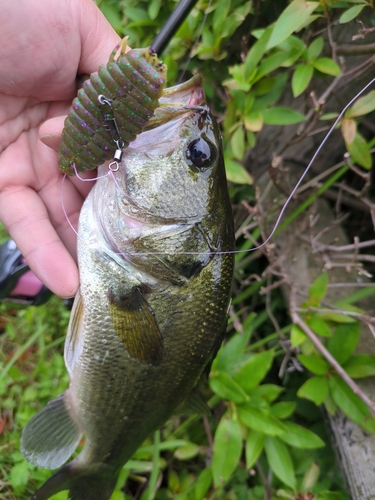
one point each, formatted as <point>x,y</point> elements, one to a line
<point>53,141</point>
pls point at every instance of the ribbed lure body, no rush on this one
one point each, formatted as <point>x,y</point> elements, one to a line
<point>131,86</point>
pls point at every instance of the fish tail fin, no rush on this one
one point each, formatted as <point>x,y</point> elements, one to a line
<point>82,484</point>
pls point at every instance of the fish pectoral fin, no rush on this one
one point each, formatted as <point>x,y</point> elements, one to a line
<point>193,404</point>
<point>135,324</point>
<point>51,436</point>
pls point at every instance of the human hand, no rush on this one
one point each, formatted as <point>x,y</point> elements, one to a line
<point>44,44</point>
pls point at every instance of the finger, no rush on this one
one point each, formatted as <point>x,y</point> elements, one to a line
<point>97,36</point>
<point>26,218</point>
<point>53,141</point>
<point>50,132</point>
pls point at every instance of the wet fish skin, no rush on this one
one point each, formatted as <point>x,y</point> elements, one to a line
<point>153,300</point>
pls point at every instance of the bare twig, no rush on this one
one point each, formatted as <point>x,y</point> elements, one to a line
<point>352,314</point>
<point>296,318</point>
<point>267,485</point>
<point>343,248</point>
<point>269,310</point>
<point>236,322</point>
<point>348,285</point>
<point>354,50</point>
<point>272,286</point>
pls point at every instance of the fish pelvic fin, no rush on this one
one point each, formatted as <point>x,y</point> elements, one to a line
<point>51,436</point>
<point>96,484</point>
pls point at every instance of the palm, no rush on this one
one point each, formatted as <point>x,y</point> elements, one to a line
<point>37,83</point>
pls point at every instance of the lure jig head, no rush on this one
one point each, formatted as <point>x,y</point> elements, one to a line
<point>111,109</point>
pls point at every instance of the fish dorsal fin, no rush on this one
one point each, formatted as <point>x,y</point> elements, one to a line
<point>74,337</point>
<point>51,436</point>
<point>194,403</point>
<point>134,322</point>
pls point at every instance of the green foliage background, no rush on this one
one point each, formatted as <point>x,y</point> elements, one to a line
<point>266,437</point>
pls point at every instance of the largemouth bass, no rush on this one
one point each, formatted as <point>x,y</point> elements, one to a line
<point>152,307</point>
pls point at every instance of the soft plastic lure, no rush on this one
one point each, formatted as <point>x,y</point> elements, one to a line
<point>111,109</point>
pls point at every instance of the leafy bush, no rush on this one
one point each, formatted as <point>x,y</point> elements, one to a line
<point>266,438</point>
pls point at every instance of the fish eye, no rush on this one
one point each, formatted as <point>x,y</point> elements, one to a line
<point>201,153</point>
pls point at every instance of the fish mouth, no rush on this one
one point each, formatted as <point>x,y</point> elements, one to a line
<point>188,94</point>
<point>179,100</point>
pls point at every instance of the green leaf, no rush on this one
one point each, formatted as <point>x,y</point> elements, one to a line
<point>282,116</point>
<point>329,495</point>
<point>297,336</point>
<point>362,106</point>
<point>344,341</point>
<point>317,290</point>
<point>19,475</point>
<point>351,13</point>
<point>153,9</point>
<point>254,446</point>
<point>283,409</point>
<point>290,20</point>
<point>203,484</point>
<point>271,63</point>
<point>136,14</point>
<point>328,116</point>
<point>268,392</point>
<point>254,370</point>
<point>315,389</point>
<point>351,404</point>
<point>227,388</point>
<point>319,326</point>
<point>256,53</point>
<point>165,445</point>
<point>314,363</point>
<point>300,437</point>
<point>348,129</point>
<point>113,16</point>
<point>231,23</point>
<point>231,352</point>
<point>279,460</point>
<point>262,102</point>
<point>310,477</point>
<point>315,49</point>
<point>337,317</point>
<point>238,143</point>
<point>186,452</point>
<point>253,121</point>
<point>329,404</point>
<point>116,495</point>
<point>360,152</point>
<point>301,79</point>
<point>220,16</point>
<point>295,47</point>
<point>327,66</point>
<point>237,173</point>
<point>226,450</point>
<point>360,366</point>
<point>260,420</point>
<point>264,86</point>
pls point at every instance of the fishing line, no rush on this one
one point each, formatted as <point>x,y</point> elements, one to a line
<point>288,200</point>
<point>195,43</point>
<point>63,205</point>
